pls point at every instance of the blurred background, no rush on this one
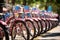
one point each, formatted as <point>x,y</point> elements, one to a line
<point>41,4</point>
<point>48,5</point>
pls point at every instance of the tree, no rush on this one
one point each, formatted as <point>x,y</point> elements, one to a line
<point>58,5</point>
<point>1,4</point>
<point>24,2</point>
<point>13,2</point>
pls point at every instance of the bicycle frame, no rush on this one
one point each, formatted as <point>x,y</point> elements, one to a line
<point>3,28</point>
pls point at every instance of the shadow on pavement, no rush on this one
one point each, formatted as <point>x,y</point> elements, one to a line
<point>51,35</point>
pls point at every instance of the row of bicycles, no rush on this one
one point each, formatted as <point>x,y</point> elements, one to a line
<point>27,24</point>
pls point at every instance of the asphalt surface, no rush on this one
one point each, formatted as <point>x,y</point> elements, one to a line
<point>53,34</point>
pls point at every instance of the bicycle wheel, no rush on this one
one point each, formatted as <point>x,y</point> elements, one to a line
<point>22,29</point>
<point>13,32</point>
<point>47,23</point>
<point>36,27</point>
<point>53,24</point>
<point>4,32</point>
<point>31,28</point>
<point>50,25</point>
<point>40,27</point>
<point>56,23</point>
<point>44,26</point>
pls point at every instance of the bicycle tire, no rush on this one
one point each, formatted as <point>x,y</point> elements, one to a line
<point>5,31</point>
<point>40,27</point>
<point>13,33</point>
<point>36,27</point>
<point>33,29</point>
<point>52,24</point>
<point>48,26</point>
<point>19,21</point>
<point>56,23</point>
<point>44,26</point>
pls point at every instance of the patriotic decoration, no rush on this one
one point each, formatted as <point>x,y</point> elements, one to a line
<point>26,9</point>
<point>35,10</point>
<point>16,9</point>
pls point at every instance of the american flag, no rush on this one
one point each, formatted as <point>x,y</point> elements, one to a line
<point>16,11</point>
<point>26,11</point>
<point>51,14</point>
<point>36,11</point>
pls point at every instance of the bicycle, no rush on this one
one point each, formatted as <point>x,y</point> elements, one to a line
<point>30,24</point>
<point>11,21</point>
<point>3,28</point>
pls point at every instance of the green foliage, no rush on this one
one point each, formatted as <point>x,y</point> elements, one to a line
<point>42,3</point>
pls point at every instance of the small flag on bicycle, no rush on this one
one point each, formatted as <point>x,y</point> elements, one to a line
<point>26,9</point>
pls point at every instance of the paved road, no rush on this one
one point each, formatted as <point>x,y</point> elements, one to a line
<point>53,34</point>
